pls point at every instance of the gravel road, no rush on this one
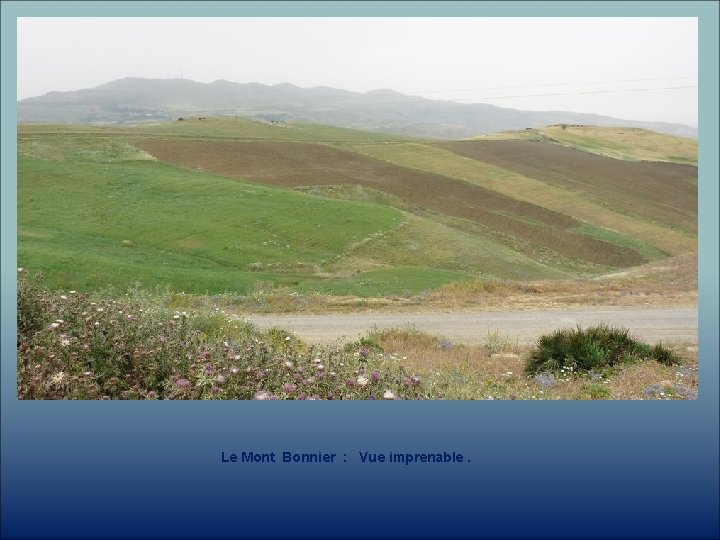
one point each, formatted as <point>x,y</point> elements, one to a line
<point>472,327</point>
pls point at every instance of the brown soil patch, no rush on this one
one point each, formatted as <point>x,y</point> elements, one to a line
<point>664,192</point>
<point>289,164</point>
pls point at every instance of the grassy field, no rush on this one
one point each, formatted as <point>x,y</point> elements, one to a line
<point>155,240</point>
<point>231,206</point>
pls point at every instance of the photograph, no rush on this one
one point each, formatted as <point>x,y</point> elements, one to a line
<point>478,240</point>
<point>429,208</point>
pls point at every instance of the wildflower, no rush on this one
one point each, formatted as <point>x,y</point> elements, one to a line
<point>364,352</point>
<point>87,373</point>
<point>100,310</point>
<point>350,383</point>
<point>388,395</point>
<point>21,270</point>
<point>176,316</point>
<point>287,338</point>
<point>362,381</point>
<point>375,376</point>
<point>234,370</point>
<point>319,367</point>
<point>58,379</point>
<point>182,383</point>
<point>288,364</point>
<point>415,380</point>
<point>64,341</point>
<point>288,387</point>
<point>317,361</point>
<point>56,325</point>
<point>152,394</point>
<point>310,380</point>
<point>262,395</point>
<point>63,297</point>
<point>209,369</point>
<point>221,379</point>
<point>73,292</point>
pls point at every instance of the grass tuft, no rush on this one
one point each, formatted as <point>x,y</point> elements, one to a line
<point>593,349</point>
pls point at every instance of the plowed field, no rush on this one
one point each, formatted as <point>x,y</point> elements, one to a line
<point>302,164</point>
<point>661,192</point>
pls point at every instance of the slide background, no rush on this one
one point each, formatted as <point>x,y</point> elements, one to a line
<point>535,469</point>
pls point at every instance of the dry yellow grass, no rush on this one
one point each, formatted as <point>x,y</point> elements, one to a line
<point>496,370</point>
<point>668,283</point>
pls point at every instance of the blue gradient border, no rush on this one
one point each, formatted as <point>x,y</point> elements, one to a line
<point>534,469</point>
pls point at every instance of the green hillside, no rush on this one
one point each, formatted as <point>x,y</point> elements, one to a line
<point>231,205</point>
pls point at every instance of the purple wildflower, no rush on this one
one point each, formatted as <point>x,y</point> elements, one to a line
<point>182,383</point>
<point>288,387</point>
<point>375,376</point>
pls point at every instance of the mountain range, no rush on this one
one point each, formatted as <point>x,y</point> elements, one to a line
<point>138,100</point>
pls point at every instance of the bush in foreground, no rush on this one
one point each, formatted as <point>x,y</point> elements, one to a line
<point>71,346</point>
<point>592,349</point>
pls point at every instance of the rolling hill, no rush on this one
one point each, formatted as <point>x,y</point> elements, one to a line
<point>137,100</point>
<point>230,205</point>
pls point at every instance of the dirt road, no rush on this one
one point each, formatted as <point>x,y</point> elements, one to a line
<point>473,327</point>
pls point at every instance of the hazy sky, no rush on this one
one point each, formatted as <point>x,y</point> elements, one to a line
<point>633,68</point>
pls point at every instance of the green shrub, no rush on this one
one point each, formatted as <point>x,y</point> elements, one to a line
<point>595,348</point>
<point>597,391</point>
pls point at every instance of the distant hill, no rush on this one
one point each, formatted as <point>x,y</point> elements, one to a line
<point>136,100</point>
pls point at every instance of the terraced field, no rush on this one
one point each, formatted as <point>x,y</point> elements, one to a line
<point>230,205</point>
